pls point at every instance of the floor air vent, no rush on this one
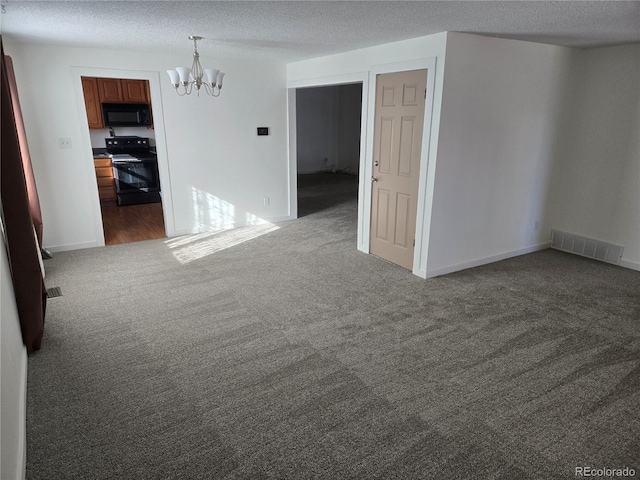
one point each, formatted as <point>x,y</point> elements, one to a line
<point>587,247</point>
<point>54,292</point>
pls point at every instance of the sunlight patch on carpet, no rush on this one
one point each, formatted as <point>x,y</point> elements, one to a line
<point>194,247</point>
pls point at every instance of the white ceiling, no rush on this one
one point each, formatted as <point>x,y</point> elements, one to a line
<point>291,31</point>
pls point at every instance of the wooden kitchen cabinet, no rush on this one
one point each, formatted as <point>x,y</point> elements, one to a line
<point>110,90</point>
<point>92,102</point>
<point>134,91</point>
<point>116,90</point>
<point>106,183</point>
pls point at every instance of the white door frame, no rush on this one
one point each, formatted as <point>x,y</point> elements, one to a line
<point>161,148</point>
<point>427,170</point>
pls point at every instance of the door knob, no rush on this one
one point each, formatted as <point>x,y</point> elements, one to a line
<point>374,179</point>
<point>376,163</point>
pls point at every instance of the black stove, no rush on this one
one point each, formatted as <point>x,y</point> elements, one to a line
<point>135,170</point>
<point>131,146</point>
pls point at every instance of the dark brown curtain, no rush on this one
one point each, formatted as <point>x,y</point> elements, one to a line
<point>24,250</point>
<point>32,191</point>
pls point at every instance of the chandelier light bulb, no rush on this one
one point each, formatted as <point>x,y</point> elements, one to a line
<point>212,75</point>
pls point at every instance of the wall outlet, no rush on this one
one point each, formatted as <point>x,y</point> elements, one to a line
<point>536,226</point>
<point>267,201</point>
<point>64,142</point>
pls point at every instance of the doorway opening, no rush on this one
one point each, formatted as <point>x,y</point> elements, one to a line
<point>328,128</point>
<point>127,177</point>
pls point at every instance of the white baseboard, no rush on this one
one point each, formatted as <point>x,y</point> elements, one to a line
<point>420,273</point>
<point>485,260</point>
<point>180,233</point>
<point>22,456</point>
<point>71,246</point>
<point>285,218</point>
<point>629,264</point>
<point>15,468</point>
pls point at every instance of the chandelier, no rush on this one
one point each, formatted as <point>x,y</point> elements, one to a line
<point>188,78</point>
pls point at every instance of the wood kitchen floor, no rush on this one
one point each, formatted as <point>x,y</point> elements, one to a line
<point>132,223</point>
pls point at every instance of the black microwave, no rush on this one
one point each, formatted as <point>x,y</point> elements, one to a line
<point>126,114</point>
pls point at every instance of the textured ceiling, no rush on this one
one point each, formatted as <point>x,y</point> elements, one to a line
<point>290,31</point>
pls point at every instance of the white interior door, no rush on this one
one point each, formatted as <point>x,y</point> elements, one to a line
<point>399,120</point>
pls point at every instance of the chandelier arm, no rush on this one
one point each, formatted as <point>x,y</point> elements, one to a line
<point>211,90</point>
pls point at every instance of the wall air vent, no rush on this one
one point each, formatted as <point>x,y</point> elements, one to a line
<point>587,247</point>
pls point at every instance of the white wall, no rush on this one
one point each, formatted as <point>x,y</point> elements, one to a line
<point>597,180</point>
<point>13,378</point>
<point>501,104</point>
<point>219,170</point>
<point>328,127</point>
<point>333,68</point>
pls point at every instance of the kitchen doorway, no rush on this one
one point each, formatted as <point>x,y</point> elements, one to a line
<point>123,143</point>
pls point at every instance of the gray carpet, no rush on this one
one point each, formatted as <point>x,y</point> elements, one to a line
<point>285,353</point>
